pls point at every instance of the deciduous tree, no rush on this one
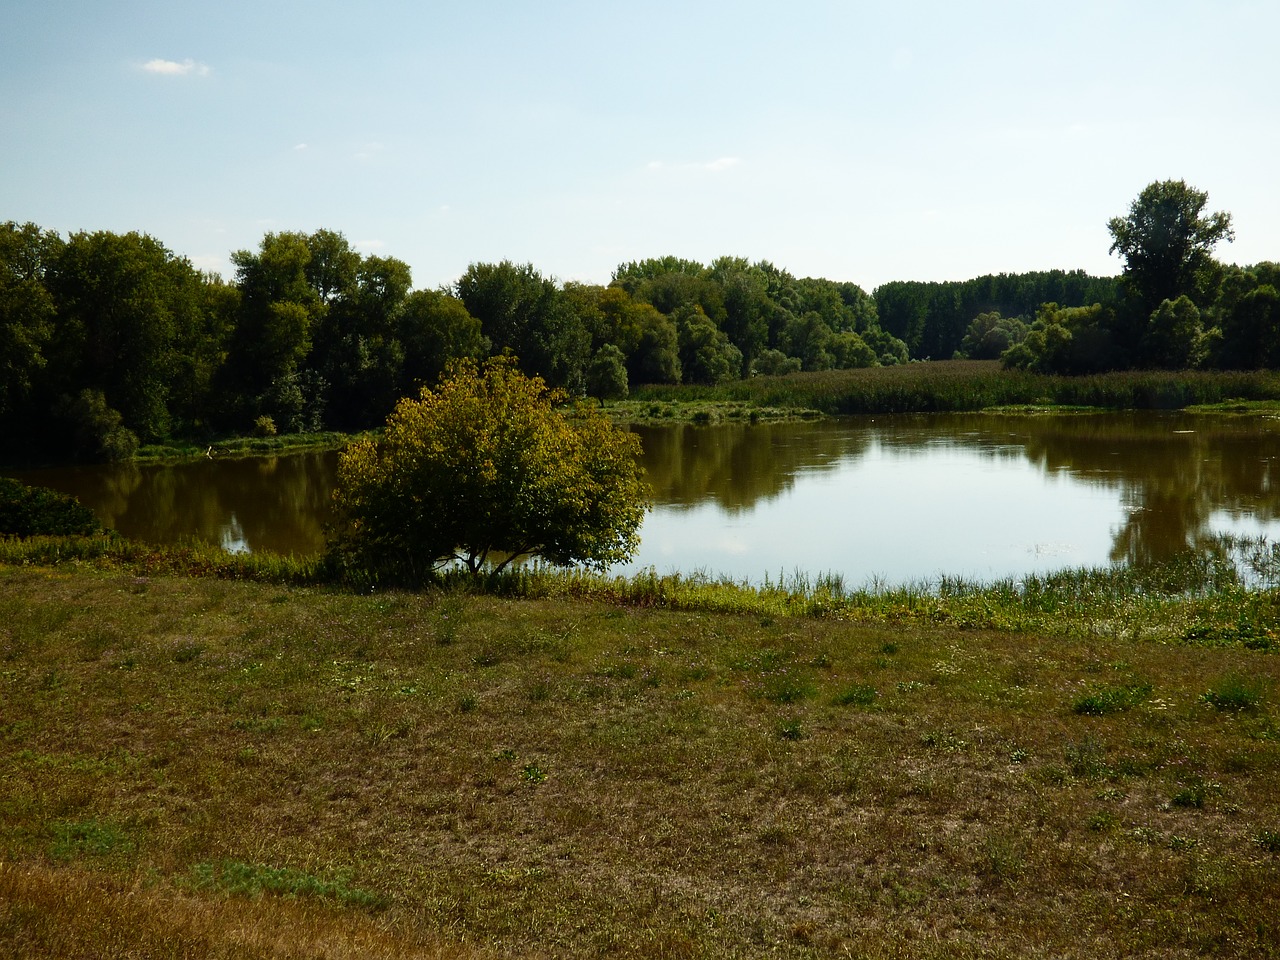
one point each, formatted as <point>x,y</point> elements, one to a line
<point>1167,243</point>
<point>485,469</point>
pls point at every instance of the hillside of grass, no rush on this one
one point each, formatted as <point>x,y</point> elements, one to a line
<point>213,767</point>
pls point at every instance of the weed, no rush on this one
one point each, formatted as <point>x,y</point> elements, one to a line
<point>857,695</point>
<point>791,730</point>
<point>188,652</point>
<point>1086,758</point>
<point>1234,695</point>
<point>1102,822</point>
<point>1268,840</point>
<point>1103,700</point>
<point>1194,794</point>
<point>92,838</point>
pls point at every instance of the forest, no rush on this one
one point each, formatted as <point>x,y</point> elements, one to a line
<point>110,340</point>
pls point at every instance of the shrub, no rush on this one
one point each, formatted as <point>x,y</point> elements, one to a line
<point>486,468</point>
<point>38,511</point>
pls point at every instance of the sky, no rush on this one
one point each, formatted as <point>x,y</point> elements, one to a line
<point>857,141</point>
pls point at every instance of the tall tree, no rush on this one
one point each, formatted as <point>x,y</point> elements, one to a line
<point>435,329</point>
<point>521,310</point>
<point>1167,244</point>
<point>27,310</point>
<point>122,300</point>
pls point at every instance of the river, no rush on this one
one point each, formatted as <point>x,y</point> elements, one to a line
<point>889,499</point>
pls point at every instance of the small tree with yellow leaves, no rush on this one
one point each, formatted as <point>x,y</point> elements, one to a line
<point>488,467</point>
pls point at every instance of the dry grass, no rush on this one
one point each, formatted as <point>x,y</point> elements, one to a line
<point>393,773</point>
<point>63,912</point>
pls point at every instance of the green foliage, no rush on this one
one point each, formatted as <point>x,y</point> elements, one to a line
<point>1167,241</point>
<point>706,355</point>
<point>1174,338</point>
<point>98,431</point>
<point>436,330</point>
<point>1065,340</point>
<point>38,511</point>
<point>775,363</point>
<point>525,312</point>
<point>486,467</point>
<point>27,309</point>
<point>933,318</point>
<point>989,335</point>
<point>1235,695</point>
<point>1102,700</point>
<point>1250,319</point>
<point>607,374</point>
<point>255,880</point>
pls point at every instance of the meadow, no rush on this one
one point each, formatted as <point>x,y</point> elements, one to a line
<point>204,757</point>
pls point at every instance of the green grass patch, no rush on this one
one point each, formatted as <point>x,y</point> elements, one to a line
<point>1235,695</point>
<point>255,880</point>
<point>1102,700</point>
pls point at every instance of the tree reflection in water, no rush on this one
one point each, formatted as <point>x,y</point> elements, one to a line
<point>1174,482</point>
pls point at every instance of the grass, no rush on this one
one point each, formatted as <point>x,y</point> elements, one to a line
<point>231,767</point>
<point>241,446</point>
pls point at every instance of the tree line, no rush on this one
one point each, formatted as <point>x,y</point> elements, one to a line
<point>1174,306</point>
<point>109,340</point>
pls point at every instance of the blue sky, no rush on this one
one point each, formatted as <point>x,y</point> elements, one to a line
<point>856,141</point>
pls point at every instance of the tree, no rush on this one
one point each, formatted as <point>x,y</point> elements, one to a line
<point>706,355</point>
<point>279,307</point>
<point>989,335</point>
<point>435,329</point>
<point>486,469</point>
<point>1251,330</point>
<point>1067,340</point>
<point>1167,244</point>
<point>523,311</point>
<point>1175,338</point>
<point>27,310</point>
<point>122,301</point>
<point>607,374</point>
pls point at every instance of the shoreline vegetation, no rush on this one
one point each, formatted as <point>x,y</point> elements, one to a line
<point>925,387</point>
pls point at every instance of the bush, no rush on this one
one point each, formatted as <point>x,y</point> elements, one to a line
<point>98,431</point>
<point>38,511</point>
<point>486,468</point>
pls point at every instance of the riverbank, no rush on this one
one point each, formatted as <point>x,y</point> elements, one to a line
<point>925,387</point>
<point>214,766</point>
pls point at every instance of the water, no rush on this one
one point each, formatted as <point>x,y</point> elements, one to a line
<point>895,499</point>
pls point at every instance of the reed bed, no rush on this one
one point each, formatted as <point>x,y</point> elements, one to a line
<point>968,385</point>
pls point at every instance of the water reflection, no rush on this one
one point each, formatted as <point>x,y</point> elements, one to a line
<point>255,503</point>
<point>897,497</point>
<point>980,494</point>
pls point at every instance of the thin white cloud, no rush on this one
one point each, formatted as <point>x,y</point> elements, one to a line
<point>176,68</point>
<point>299,146</point>
<point>723,163</point>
